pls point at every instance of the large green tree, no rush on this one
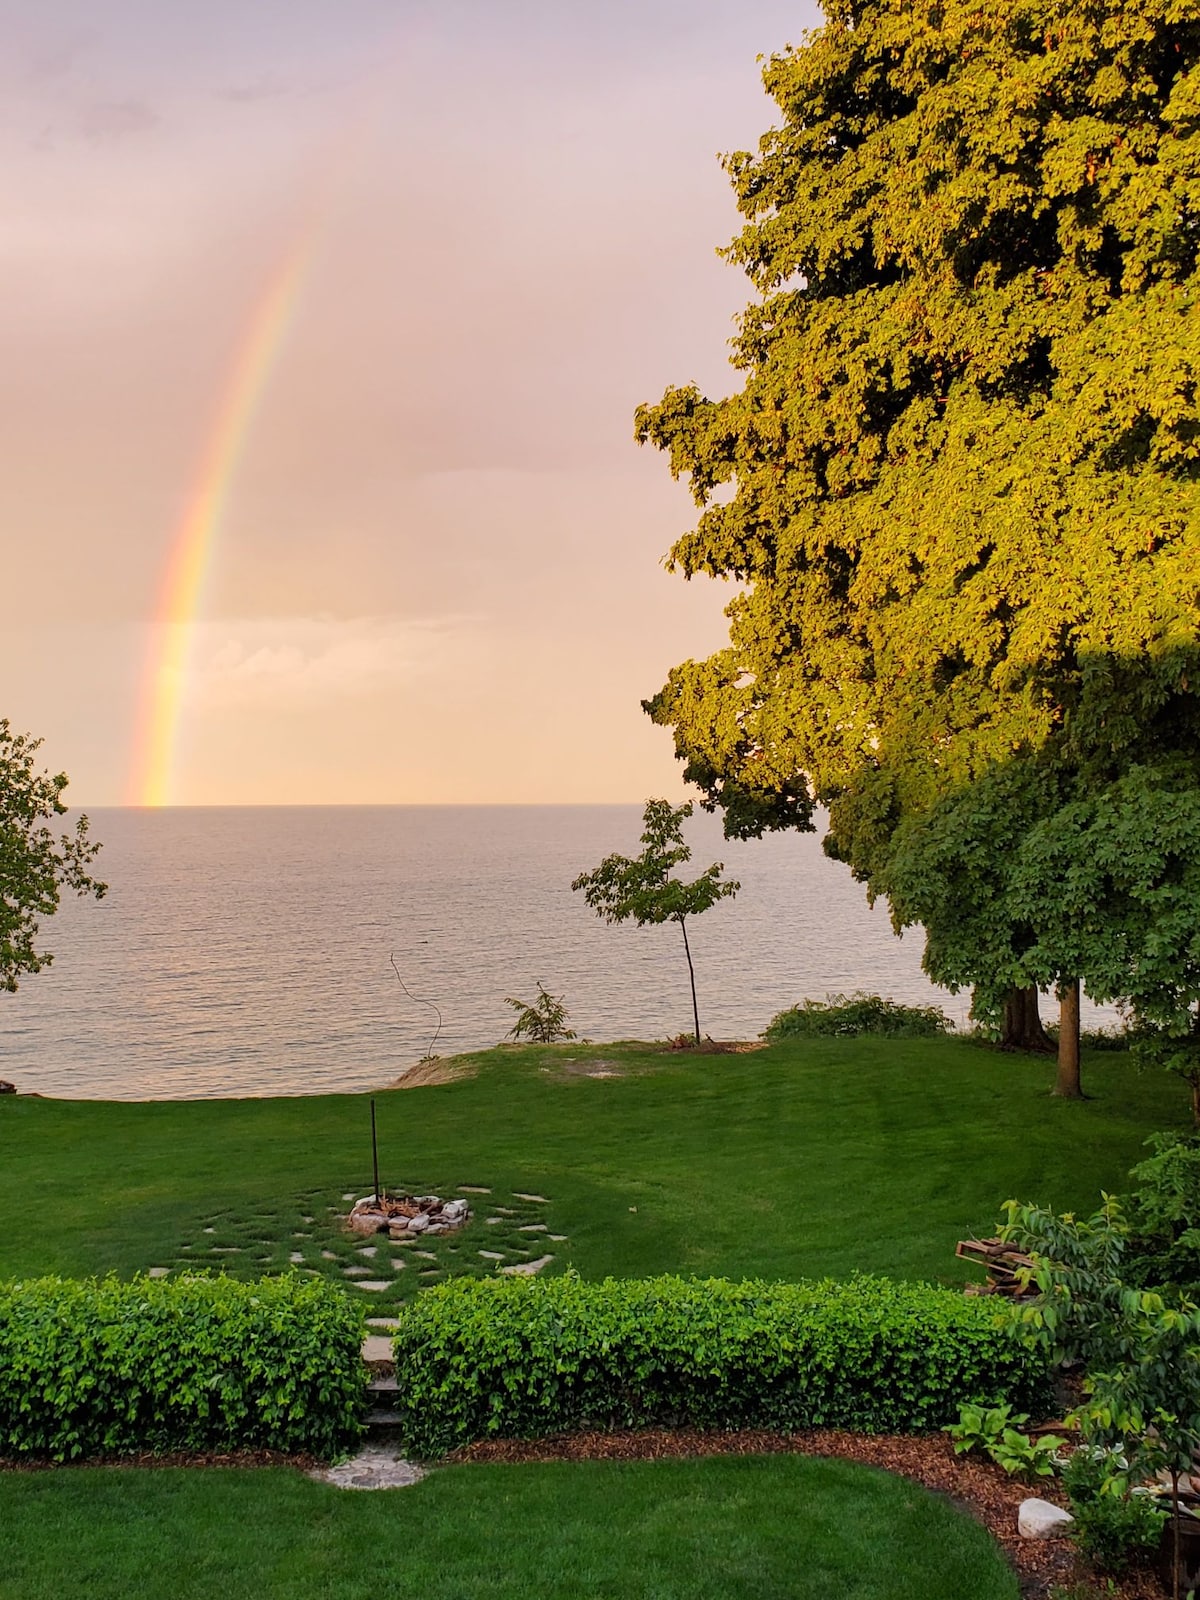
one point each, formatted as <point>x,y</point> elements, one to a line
<point>959,486</point>
<point>35,866</point>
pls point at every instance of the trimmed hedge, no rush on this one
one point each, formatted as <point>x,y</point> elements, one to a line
<point>189,1363</point>
<point>522,1357</point>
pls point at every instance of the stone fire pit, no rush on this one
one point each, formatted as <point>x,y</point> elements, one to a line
<point>407,1216</point>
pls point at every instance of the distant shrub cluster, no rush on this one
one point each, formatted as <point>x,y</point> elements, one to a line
<point>191,1363</point>
<point>844,1015</point>
<point>522,1357</point>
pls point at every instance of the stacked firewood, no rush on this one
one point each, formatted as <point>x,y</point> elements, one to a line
<point>1002,1264</point>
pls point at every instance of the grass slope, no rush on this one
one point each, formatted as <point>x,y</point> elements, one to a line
<point>740,1529</point>
<point>808,1158</point>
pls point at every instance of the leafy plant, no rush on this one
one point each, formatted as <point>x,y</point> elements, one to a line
<point>1141,1352</point>
<point>1164,1214</point>
<point>841,1015</point>
<point>980,1424</point>
<point>544,1022</point>
<point>996,1431</point>
<point>1113,1526</point>
<point>524,1357</point>
<point>93,1367</point>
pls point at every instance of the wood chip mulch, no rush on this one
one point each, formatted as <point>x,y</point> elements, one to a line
<point>979,1488</point>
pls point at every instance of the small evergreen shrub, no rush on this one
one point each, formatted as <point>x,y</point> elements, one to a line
<point>190,1363</point>
<point>846,1015</point>
<point>523,1357</point>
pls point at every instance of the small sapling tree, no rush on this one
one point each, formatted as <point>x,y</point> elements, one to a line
<point>544,1021</point>
<point>642,887</point>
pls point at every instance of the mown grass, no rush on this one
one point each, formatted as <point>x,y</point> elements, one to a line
<point>811,1157</point>
<point>748,1529</point>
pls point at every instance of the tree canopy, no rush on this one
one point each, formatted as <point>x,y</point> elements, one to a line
<point>960,484</point>
<point>35,867</point>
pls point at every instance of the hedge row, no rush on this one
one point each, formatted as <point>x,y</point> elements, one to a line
<point>521,1357</point>
<point>189,1363</point>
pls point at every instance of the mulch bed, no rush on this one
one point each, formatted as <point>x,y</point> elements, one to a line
<point>979,1488</point>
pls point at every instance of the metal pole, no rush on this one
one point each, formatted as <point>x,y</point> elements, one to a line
<point>374,1152</point>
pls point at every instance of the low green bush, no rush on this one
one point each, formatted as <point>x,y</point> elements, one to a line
<point>1113,1526</point>
<point>845,1015</point>
<point>521,1357</point>
<point>103,1367</point>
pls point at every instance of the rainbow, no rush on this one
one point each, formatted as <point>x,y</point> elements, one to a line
<point>196,534</point>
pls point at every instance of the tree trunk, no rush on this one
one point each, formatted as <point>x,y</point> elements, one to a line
<point>1066,1083</point>
<point>692,975</point>
<point>1021,1028</point>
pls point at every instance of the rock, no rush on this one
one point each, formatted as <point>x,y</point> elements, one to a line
<point>418,1224</point>
<point>539,1199</point>
<point>1038,1519</point>
<point>6,1087</point>
<point>157,1272</point>
<point>368,1250</point>
<point>533,1227</point>
<point>374,1467</point>
<point>492,1255</point>
<point>398,1227</point>
<point>454,1209</point>
<point>368,1222</point>
<point>377,1347</point>
<point>473,1188</point>
<point>526,1269</point>
<point>374,1284</point>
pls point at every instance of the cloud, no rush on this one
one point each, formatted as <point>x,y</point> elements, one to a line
<point>116,119</point>
<point>299,663</point>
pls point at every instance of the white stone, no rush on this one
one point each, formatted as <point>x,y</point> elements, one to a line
<point>539,1198</point>
<point>368,1221</point>
<point>374,1284</point>
<point>455,1208</point>
<point>1038,1519</point>
<point>383,1322</point>
<point>368,1250</point>
<point>492,1255</point>
<point>533,1227</point>
<point>397,1266</point>
<point>374,1467</point>
<point>297,1258</point>
<point>377,1347</point>
<point>157,1272</point>
<point>472,1188</point>
<point>528,1268</point>
<point>418,1224</point>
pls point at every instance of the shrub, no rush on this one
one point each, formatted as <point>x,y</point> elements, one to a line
<point>1113,1527</point>
<point>188,1363</point>
<point>523,1357</point>
<point>844,1015</point>
<point>544,1020</point>
<point>1164,1215</point>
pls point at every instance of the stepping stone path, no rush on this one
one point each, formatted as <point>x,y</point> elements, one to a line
<point>376,1466</point>
<point>539,1198</point>
<point>528,1268</point>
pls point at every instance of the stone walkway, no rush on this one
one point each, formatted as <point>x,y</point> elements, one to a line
<point>376,1466</point>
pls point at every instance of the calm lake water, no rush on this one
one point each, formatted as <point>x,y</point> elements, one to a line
<point>246,951</point>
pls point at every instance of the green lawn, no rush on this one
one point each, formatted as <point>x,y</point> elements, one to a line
<point>809,1158</point>
<point>735,1529</point>
<point>813,1157</point>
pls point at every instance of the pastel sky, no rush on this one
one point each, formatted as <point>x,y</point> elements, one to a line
<point>437,576</point>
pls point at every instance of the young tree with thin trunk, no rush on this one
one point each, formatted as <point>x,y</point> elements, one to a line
<point>642,889</point>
